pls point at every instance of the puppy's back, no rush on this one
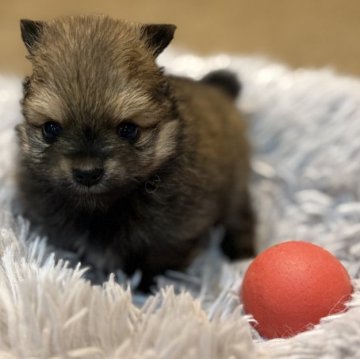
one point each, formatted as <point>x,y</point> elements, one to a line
<point>215,131</point>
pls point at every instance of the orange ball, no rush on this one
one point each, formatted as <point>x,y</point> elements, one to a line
<point>289,287</point>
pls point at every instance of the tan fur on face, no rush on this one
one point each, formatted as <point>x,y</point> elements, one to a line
<point>45,106</point>
<point>138,106</point>
<point>166,141</point>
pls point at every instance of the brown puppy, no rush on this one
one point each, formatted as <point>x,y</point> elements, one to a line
<point>122,163</point>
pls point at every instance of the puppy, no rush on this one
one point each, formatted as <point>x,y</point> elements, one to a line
<point>121,163</point>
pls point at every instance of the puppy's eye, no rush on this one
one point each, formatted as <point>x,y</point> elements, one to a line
<point>51,130</point>
<point>128,131</point>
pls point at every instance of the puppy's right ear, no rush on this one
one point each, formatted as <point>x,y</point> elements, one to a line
<point>31,32</point>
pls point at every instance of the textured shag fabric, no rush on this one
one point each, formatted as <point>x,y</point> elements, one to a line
<point>305,130</point>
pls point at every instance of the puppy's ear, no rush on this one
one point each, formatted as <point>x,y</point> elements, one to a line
<point>157,36</point>
<point>31,32</point>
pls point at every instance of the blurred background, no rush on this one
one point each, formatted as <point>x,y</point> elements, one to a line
<point>311,33</point>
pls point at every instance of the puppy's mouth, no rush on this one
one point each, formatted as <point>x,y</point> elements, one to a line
<point>82,190</point>
<point>105,190</point>
<point>95,189</point>
<point>90,197</point>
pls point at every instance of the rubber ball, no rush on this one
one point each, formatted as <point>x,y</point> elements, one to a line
<point>289,287</point>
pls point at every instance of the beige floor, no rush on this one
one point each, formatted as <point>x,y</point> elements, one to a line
<point>300,32</point>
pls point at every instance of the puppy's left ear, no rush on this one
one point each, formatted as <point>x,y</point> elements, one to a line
<point>157,36</point>
<point>31,32</point>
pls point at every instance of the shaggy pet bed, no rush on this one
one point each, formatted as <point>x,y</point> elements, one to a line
<point>305,130</point>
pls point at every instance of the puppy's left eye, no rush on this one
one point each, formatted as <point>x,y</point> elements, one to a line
<point>128,131</point>
<point>51,130</point>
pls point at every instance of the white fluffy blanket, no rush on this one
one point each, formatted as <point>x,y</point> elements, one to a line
<point>305,128</point>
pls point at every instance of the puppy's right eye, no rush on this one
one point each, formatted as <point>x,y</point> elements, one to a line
<point>51,130</point>
<point>128,130</point>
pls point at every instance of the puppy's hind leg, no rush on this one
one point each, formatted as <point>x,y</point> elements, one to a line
<point>239,238</point>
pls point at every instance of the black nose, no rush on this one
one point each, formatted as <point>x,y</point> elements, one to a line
<point>88,177</point>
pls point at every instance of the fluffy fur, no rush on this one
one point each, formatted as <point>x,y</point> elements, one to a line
<point>160,194</point>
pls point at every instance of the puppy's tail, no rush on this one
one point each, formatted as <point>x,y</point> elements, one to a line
<point>225,80</point>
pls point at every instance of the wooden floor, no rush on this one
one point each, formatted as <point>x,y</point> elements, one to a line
<point>303,33</point>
